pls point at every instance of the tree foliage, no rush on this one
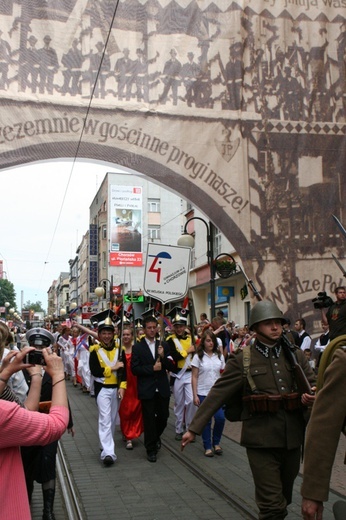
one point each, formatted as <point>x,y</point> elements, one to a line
<point>7,293</point>
<point>35,306</point>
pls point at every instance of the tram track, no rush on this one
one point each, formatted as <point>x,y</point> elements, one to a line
<point>235,501</point>
<point>69,496</point>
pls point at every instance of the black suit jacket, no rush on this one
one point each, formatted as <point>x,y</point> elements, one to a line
<point>142,366</point>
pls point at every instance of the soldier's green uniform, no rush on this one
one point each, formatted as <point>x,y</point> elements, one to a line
<point>273,439</point>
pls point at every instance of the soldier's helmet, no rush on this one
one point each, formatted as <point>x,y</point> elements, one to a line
<point>39,337</point>
<point>265,310</point>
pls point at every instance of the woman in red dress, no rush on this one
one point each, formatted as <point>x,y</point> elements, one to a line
<point>130,412</point>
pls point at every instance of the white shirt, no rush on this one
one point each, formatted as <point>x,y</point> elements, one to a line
<point>209,368</point>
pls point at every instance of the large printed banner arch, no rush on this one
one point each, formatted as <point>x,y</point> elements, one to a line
<point>239,106</point>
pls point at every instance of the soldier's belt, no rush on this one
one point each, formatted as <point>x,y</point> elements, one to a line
<point>266,403</point>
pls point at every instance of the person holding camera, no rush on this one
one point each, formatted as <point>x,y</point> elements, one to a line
<point>334,314</point>
<point>40,461</point>
<point>21,427</point>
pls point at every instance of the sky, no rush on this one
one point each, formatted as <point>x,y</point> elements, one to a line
<point>44,215</point>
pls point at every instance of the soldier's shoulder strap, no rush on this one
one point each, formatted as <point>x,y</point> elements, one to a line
<point>246,367</point>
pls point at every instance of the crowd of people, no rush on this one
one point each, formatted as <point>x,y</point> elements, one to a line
<point>133,368</point>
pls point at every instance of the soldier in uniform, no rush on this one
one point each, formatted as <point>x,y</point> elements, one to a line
<point>99,74</point>
<point>273,427</point>
<point>182,350</point>
<point>73,62</point>
<point>29,66</point>
<point>49,65</point>
<point>5,60</point>
<point>190,72</point>
<point>171,79</point>
<point>108,366</point>
<point>323,433</point>
<point>124,74</point>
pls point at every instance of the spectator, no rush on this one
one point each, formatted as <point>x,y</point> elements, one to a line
<point>321,343</point>
<point>20,427</point>
<point>304,340</point>
<point>291,334</point>
<point>335,315</point>
<point>207,365</point>
<point>40,461</point>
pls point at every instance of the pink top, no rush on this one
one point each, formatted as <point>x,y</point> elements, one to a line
<point>20,427</point>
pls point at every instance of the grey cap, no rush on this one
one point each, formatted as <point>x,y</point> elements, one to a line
<point>39,337</point>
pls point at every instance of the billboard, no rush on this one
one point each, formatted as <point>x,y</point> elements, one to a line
<point>126,225</point>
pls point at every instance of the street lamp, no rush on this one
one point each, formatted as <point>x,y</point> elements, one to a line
<point>7,304</point>
<point>100,290</point>
<point>62,313</point>
<point>187,240</point>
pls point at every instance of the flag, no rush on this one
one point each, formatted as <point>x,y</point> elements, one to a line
<point>82,342</point>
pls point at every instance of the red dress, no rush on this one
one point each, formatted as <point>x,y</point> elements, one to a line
<point>130,412</point>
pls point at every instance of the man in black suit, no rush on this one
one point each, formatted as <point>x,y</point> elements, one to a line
<point>150,362</point>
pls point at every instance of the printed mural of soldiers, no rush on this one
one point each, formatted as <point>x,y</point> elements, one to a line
<point>95,61</point>
<point>73,61</point>
<point>29,66</point>
<point>171,78</point>
<point>5,60</point>
<point>233,75</point>
<point>190,72</point>
<point>49,65</point>
<point>290,95</point>
<point>124,74</point>
<point>140,73</point>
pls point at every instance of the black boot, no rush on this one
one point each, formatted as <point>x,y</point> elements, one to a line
<point>48,501</point>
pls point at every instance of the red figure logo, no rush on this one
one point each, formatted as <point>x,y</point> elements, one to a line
<point>157,260</point>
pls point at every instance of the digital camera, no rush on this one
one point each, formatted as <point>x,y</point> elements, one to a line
<point>35,357</point>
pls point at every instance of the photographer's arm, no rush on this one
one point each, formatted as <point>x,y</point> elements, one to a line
<point>324,316</point>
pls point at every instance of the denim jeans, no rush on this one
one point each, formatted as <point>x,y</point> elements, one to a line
<point>214,439</point>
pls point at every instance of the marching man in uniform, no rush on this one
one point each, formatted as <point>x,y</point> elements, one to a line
<point>107,365</point>
<point>272,414</point>
<point>182,350</point>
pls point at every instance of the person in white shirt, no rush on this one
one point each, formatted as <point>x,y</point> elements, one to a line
<point>207,365</point>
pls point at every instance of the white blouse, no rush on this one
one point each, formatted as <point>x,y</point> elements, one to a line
<point>209,368</point>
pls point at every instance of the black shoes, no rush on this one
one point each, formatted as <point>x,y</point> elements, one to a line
<point>151,457</point>
<point>108,461</point>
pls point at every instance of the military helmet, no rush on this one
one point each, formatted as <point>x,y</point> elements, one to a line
<point>264,310</point>
<point>39,337</point>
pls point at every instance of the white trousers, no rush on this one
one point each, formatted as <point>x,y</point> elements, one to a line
<point>184,409</point>
<point>107,403</point>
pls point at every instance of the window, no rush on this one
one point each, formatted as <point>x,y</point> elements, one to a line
<point>217,241</point>
<point>154,232</point>
<point>104,232</point>
<point>154,205</point>
<point>104,259</point>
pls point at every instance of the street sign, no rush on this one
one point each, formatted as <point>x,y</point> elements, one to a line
<point>166,275</point>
